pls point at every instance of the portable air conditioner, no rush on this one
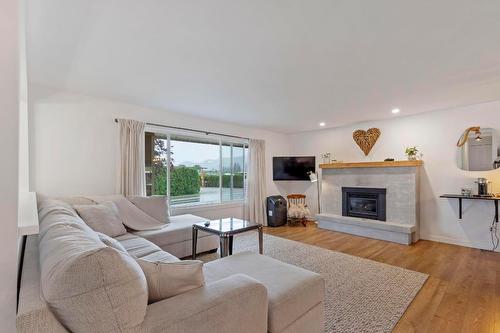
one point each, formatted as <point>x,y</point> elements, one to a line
<point>276,211</point>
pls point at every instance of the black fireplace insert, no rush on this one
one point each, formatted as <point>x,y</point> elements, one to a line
<point>364,202</point>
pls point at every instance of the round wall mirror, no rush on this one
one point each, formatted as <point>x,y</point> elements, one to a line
<point>479,149</point>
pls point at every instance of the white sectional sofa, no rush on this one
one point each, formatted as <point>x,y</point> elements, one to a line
<point>176,237</point>
<point>71,279</point>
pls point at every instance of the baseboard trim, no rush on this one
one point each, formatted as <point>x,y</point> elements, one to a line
<point>453,241</point>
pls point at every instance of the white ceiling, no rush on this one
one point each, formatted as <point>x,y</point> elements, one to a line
<point>284,65</point>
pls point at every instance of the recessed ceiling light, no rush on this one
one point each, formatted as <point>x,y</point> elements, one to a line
<point>395,111</point>
<point>322,124</point>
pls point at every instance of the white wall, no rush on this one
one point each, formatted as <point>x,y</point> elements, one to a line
<point>73,148</point>
<point>435,134</point>
<point>74,142</point>
<point>23,104</point>
<point>9,114</point>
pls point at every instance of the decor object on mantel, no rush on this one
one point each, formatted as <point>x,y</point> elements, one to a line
<point>326,157</point>
<point>366,139</point>
<point>411,153</point>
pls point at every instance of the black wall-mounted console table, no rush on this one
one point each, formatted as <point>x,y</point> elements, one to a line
<point>464,197</point>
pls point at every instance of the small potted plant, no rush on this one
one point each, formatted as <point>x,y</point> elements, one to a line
<point>411,153</point>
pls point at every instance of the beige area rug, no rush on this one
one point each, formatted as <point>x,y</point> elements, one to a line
<point>361,295</point>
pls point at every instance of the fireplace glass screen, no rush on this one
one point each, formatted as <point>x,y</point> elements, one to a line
<point>364,202</point>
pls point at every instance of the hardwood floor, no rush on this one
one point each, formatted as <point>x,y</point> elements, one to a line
<point>462,293</point>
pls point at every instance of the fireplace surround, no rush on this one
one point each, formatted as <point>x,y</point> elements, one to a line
<point>400,179</point>
<point>364,202</point>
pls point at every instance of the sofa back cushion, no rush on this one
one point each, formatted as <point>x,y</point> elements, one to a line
<point>155,206</point>
<point>102,218</point>
<point>62,208</point>
<point>132,216</point>
<point>167,279</point>
<point>89,286</point>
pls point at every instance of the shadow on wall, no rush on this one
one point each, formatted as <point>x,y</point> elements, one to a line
<point>427,199</point>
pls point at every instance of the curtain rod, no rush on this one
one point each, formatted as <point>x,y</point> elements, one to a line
<point>194,130</point>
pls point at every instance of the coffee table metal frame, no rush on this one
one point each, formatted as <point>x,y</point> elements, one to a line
<point>226,237</point>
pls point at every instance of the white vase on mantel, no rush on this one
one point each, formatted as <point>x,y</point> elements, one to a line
<point>412,157</point>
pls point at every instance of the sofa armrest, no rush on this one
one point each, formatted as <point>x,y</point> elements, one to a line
<point>33,313</point>
<point>237,303</point>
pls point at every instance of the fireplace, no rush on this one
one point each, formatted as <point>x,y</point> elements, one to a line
<point>368,203</point>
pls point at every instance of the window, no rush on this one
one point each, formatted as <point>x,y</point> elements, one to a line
<point>195,169</point>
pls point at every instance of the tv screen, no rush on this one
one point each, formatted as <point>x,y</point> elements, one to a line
<point>293,168</point>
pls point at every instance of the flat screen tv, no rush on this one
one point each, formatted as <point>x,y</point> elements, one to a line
<point>293,167</point>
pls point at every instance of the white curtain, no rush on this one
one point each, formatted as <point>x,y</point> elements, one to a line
<point>131,163</point>
<point>256,184</point>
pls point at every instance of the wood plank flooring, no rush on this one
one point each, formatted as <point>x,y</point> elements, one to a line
<point>462,293</point>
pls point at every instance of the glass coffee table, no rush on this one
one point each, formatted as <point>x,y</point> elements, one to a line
<point>225,229</point>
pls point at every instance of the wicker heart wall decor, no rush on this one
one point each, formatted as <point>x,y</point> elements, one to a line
<point>366,139</point>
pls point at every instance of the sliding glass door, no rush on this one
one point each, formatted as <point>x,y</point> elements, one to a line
<point>194,169</point>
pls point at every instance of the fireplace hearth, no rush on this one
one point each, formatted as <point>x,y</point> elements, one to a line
<point>364,202</point>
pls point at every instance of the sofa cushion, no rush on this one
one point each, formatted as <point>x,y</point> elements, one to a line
<point>103,218</point>
<point>235,304</point>
<point>49,206</point>
<point>90,287</point>
<point>292,291</point>
<point>52,212</point>
<point>136,246</point>
<point>161,256</point>
<point>78,200</point>
<point>132,217</point>
<point>166,275</point>
<point>155,206</point>
<point>179,229</point>
<point>167,279</point>
<point>111,242</point>
<point>139,247</point>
